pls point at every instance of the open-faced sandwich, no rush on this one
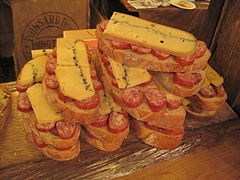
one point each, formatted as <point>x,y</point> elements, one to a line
<point>50,133</point>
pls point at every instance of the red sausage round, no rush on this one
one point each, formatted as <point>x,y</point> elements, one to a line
<point>23,102</point>
<point>160,55</point>
<point>200,50</point>
<point>51,82</point>
<point>208,92</point>
<point>88,103</point>
<point>65,129</point>
<point>132,97</point>
<point>45,127</point>
<point>155,99</point>
<point>117,122</point>
<point>184,79</point>
<point>140,49</point>
<point>102,120</point>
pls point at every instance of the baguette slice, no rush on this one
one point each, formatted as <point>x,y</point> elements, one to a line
<point>155,138</point>
<point>105,136</point>
<point>171,119</point>
<point>72,147</point>
<point>212,104</point>
<point>102,139</point>
<point>69,111</point>
<point>166,80</point>
<point>104,146</point>
<point>58,155</point>
<point>141,112</point>
<point>49,138</point>
<point>148,61</point>
<point>204,107</point>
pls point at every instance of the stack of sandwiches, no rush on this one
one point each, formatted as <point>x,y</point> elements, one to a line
<point>150,70</point>
<point>51,134</point>
<point>59,92</point>
<point>144,74</point>
<point>211,97</point>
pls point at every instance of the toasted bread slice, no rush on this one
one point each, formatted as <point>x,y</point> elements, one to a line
<point>58,155</point>
<point>171,119</point>
<point>166,80</point>
<point>104,146</point>
<point>49,138</point>
<point>102,139</point>
<point>156,138</point>
<point>104,135</point>
<point>212,104</point>
<point>68,110</point>
<point>201,106</point>
<point>141,112</point>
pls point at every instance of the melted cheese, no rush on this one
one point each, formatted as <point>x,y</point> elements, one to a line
<point>42,108</point>
<point>33,71</point>
<point>213,76</point>
<point>141,32</point>
<point>72,52</point>
<point>75,82</point>
<point>41,52</point>
<point>128,76</point>
<point>107,104</point>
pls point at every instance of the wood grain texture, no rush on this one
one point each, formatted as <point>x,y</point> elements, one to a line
<point>226,59</point>
<point>19,159</point>
<point>220,162</point>
<point>188,20</point>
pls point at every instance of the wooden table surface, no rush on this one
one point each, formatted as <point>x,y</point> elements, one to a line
<point>216,141</point>
<point>220,162</point>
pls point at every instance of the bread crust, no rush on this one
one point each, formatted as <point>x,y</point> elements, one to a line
<point>141,112</point>
<point>47,137</point>
<point>71,146</point>
<point>58,155</point>
<point>205,114</point>
<point>148,61</point>
<point>155,138</point>
<point>166,80</point>
<point>212,104</point>
<point>69,111</point>
<point>171,119</point>
<point>104,146</point>
<point>103,139</point>
<point>105,136</point>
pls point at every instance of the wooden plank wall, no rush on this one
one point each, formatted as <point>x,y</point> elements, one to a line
<point>226,47</point>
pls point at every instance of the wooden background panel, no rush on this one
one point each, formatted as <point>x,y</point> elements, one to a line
<point>226,58</point>
<point>179,18</point>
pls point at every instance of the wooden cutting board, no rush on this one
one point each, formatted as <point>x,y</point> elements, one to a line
<point>19,159</point>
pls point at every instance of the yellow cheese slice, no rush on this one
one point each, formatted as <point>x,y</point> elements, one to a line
<point>128,76</point>
<point>33,70</point>
<point>41,52</point>
<point>213,76</point>
<point>206,83</point>
<point>107,104</point>
<point>75,82</point>
<point>82,34</point>
<point>185,101</point>
<point>71,52</point>
<point>141,32</point>
<point>42,108</point>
